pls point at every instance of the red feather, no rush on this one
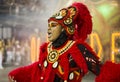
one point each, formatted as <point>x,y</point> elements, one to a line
<point>83,21</point>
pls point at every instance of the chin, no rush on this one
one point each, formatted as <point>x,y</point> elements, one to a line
<point>50,40</point>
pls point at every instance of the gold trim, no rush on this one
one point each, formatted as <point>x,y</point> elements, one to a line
<point>60,70</point>
<point>70,30</point>
<point>77,73</point>
<point>52,56</point>
<point>57,53</point>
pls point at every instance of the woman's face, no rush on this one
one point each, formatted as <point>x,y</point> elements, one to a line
<point>54,30</point>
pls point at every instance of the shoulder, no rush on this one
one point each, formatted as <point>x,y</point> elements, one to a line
<point>43,47</point>
<point>84,47</point>
<point>80,42</point>
<point>90,57</point>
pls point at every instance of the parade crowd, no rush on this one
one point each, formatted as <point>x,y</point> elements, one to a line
<point>14,52</point>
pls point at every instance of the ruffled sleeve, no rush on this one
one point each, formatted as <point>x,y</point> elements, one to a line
<point>110,72</point>
<point>78,58</point>
<point>30,73</point>
<point>91,59</point>
<point>24,74</point>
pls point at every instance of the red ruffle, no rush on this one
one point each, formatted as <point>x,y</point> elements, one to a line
<point>43,52</point>
<point>28,73</point>
<point>83,21</point>
<point>78,58</point>
<point>110,72</point>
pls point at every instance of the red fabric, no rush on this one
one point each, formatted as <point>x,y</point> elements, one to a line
<point>28,73</point>
<point>64,62</point>
<point>34,72</point>
<point>110,72</point>
<point>43,50</point>
<point>79,59</point>
<point>48,73</point>
<point>83,21</point>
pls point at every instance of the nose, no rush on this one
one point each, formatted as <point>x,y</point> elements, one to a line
<point>49,28</point>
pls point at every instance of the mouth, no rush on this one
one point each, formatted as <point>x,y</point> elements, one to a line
<point>49,34</point>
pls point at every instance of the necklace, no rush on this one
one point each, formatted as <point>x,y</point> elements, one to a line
<point>53,54</point>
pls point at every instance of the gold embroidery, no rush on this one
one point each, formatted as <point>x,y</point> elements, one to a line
<point>61,14</point>
<point>77,73</point>
<point>72,11</point>
<point>60,70</point>
<point>71,30</point>
<point>54,54</point>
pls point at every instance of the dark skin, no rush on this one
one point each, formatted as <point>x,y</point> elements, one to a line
<point>54,30</point>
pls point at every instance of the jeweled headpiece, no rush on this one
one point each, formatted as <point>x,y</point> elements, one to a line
<point>75,19</point>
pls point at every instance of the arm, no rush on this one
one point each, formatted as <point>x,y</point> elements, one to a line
<point>108,72</point>
<point>91,58</point>
<point>23,74</point>
<point>29,73</point>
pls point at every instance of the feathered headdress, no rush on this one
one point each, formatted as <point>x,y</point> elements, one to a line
<point>75,19</point>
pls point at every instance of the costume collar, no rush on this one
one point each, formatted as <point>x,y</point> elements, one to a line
<point>61,40</point>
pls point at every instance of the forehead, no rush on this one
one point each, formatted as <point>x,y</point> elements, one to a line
<point>50,22</point>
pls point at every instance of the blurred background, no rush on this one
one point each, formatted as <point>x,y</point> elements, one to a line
<point>23,28</point>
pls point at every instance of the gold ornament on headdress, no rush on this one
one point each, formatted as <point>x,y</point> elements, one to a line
<point>62,13</point>
<point>72,11</point>
<point>69,20</point>
<point>70,30</point>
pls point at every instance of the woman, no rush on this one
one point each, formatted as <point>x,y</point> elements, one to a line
<point>67,57</point>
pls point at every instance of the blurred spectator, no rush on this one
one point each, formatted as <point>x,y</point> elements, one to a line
<point>1,53</point>
<point>17,51</point>
<point>9,52</point>
<point>25,51</point>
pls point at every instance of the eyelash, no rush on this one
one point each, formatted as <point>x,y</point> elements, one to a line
<point>52,25</point>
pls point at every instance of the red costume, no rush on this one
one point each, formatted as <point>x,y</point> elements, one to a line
<point>68,58</point>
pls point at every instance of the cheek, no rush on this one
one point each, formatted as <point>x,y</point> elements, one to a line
<point>56,33</point>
